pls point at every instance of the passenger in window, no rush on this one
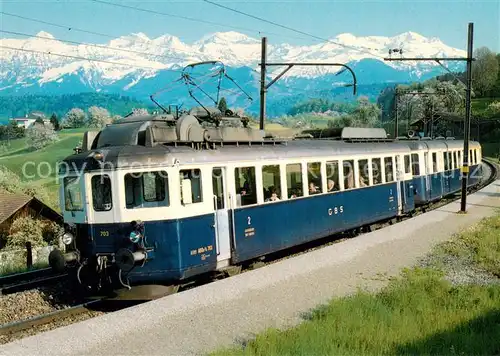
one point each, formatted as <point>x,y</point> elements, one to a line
<point>331,186</point>
<point>293,194</point>
<point>362,182</point>
<point>274,196</point>
<point>313,189</point>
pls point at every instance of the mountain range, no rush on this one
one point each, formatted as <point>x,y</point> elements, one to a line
<point>138,66</point>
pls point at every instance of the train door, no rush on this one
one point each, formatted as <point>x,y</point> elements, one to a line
<point>428,176</point>
<point>221,214</point>
<point>399,179</point>
<point>406,185</point>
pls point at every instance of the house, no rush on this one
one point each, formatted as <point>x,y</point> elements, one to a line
<point>14,205</point>
<point>30,119</point>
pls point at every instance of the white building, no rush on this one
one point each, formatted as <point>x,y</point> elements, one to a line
<point>30,119</point>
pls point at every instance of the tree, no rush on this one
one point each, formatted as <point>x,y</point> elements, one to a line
<point>55,122</point>
<point>98,117</point>
<point>484,71</point>
<point>41,135</point>
<point>139,112</point>
<point>75,118</point>
<point>222,105</point>
<point>11,131</point>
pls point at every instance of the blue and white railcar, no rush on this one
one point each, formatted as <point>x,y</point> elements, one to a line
<point>163,201</point>
<point>436,168</point>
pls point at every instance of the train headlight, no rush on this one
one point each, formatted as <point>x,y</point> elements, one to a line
<point>135,236</point>
<point>67,238</point>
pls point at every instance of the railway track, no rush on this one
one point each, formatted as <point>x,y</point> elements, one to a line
<point>28,280</point>
<point>15,329</point>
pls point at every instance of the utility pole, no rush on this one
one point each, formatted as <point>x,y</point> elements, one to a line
<point>469,59</point>
<point>396,126</point>
<point>465,168</point>
<point>264,87</point>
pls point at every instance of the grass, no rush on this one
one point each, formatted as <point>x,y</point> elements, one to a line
<point>20,266</point>
<point>50,154</point>
<point>418,313</point>
<point>9,147</point>
<point>42,167</point>
<point>481,244</point>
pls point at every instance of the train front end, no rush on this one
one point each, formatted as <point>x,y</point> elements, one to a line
<point>100,249</point>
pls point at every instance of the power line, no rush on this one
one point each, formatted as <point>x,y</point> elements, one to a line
<point>193,19</point>
<point>288,28</point>
<point>70,28</point>
<point>86,59</point>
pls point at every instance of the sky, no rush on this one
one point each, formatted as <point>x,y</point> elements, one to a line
<point>325,18</point>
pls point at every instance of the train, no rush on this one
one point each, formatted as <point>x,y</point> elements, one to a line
<point>163,199</point>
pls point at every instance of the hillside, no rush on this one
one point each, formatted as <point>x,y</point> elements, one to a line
<point>20,105</point>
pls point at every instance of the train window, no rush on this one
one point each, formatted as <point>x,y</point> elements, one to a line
<point>146,189</point>
<point>450,161</point>
<point>194,176</point>
<point>348,174</point>
<point>314,177</point>
<point>389,172</point>
<point>475,156</point>
<point>364,180</point>
<point>415,166</point>
<point>271,183</point>
<point>72,194</point>
<point>153,186</point>
<point>407,164</point>
<point>245,186</point>
<point>471,162</point>
<point>101,192</point>
<point>294,180</point>
<point>459,159</point>
<point>455,160</point>
<point>377,177</point>
<point>445,159</point>
<point>218,188</point>
<point>434,162</point>
<point>332,176</point>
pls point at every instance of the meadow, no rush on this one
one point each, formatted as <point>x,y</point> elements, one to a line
<point>420,312</point>
<point>39,168</point>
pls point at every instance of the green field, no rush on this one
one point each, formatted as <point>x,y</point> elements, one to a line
<point>39,168</point>
<point>418,313</point>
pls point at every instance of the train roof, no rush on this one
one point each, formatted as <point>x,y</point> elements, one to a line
<point>439,144</point>
<point>141,156</point>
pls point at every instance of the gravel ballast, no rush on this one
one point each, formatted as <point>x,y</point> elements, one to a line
<point>231,310</point>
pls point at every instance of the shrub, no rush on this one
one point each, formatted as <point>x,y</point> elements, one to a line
<point>52,233</point>
<point>25,229</point>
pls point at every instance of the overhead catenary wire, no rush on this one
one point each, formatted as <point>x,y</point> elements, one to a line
<point>359,49</point>
<point>86,59</point>
<point>75,29</point>
<point>193,19</point>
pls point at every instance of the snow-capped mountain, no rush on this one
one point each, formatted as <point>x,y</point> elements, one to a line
<point>138,65</point>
